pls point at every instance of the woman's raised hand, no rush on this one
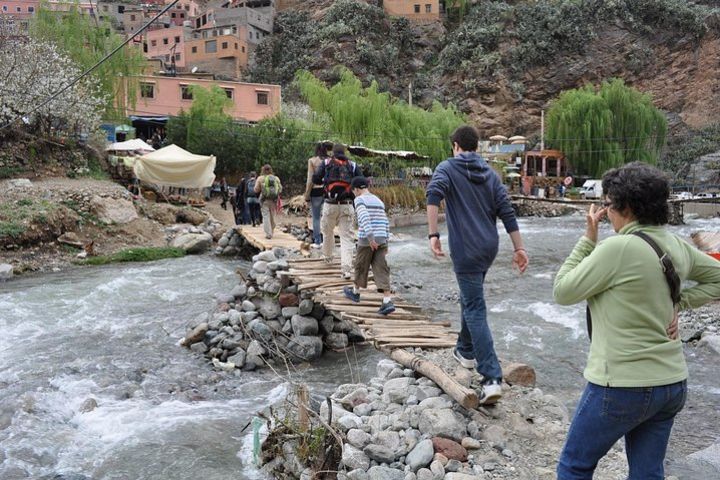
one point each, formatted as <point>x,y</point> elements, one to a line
<point>593,218</point>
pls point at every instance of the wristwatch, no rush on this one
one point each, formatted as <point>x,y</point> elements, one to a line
<point>436,235</point>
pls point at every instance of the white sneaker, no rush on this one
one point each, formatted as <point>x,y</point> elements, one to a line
<point>490,392</point>
<point>316,246</point>
<point>465,362</point>
<point>346,276</point>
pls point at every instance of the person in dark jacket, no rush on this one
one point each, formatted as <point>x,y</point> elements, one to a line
<point>474,198</point>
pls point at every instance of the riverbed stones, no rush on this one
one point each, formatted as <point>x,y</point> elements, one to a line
<point>196,334</point>
<point>303,325</point>
<point>248,306</point>
<point>305,348</point>
<point>379,453</point>
<point>449,449</point>
<point>199,347</point>
<point>6,272</point>
<point>305,307</point>
<point>519,374</point>
<point>358,438</point>
<point>379,472</point>
<point>193,242</point>
<point>336,341</point>
<point>238,359</point>
<point>420,456</point>
<point>269,308</point>
<point>442,422</point>
<point>354,458</point>
<point>266,256</point>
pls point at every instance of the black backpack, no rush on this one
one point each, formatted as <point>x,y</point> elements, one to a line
<point>338,176</point>
<point>250,189</point>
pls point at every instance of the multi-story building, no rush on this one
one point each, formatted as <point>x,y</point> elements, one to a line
<point>167,44</point>
<point>415,10</point>
<point>15,15</point>
<point>220,50</point>
<point>113,11</point>
<point>257,23</point>
<point>86,7</point>
<point>164,96</point>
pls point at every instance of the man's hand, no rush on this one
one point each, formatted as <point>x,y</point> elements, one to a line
<point>436,247</point>
<point>672,330</point>
<point>593,218</point>
<point>520,260</point>
<point>374,245</point>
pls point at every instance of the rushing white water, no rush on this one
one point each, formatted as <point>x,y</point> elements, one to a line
<point>110,333</point>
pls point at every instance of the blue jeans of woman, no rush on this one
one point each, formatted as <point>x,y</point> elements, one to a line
<point>316,205</point>
<point>475,339</point>
<point>643,415</point>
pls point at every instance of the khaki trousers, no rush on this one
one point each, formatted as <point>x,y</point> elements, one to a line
<point>341,216</point>
<point>268,208</point>
<point>367,258</point>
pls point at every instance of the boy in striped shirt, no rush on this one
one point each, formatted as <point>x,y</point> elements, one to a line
<point>373,233</point>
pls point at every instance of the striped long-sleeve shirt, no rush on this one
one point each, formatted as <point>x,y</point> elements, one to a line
<point>372,221</point>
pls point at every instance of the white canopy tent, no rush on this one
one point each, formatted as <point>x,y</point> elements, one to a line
<point>130,145</point>
<point>174,167</point>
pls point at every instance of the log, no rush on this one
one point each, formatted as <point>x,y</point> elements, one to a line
<point>464,396</point>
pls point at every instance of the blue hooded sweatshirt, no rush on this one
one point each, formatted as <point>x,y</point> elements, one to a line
<point>474,199</point>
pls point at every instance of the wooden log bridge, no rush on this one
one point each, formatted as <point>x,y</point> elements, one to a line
<point>408,326</point>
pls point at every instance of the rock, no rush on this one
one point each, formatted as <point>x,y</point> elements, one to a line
<point>273,287</point>
<point>238,359</point>
<point>437,469</point>
<point>460,476</point>
<point>305,348</point>
<point>397,390</point>
<point>336,341</point>
<point>196,334</point>
<point>470,443</point>
<point>19,183</point>
<point>494,434</point>
<point>424,392</point>
<point>388,439</point>
<point>354,458</point>
<point>318,312</point>
<point>706,460</point>
<point>266,256</point>
<point>441,422</point>
<point>349,421</point>
<point>410,476</point>
<point>420,456</point>
<point>71,238</point>
<point>354,398</point>
<point>199,347</point>
<point>248,317</point>
<point>278,265</point>
<point>193,242</point>
<point>305,307</point>
<point>239,291</point>
<point>248,306</point>
<point>224,298</point>
<point>326,324</point>
<point>260,266</point>
<point>357,474</point>
<point>425,474</point>
<point>88,405</point>
<point>304,325</point>
<point>114,210</point>
<point>288,300</point>
<point>453,466</point>
<point>439,457</point>
<point>288,312</point>
<point>385,366</point>
<point>385,473</point>
<point>710,341</point>
<point>450,449</point>
<point>6,272</point>
<point>358,438</point>
<point>343,326</point>
<point>379,453</point>
<point>435,403</point>
<point>519,374</point>
<point>260,328</point>
<point>269,308</point>
<point>362,410</point>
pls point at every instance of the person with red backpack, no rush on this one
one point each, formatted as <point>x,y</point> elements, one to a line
<point>335,174</point>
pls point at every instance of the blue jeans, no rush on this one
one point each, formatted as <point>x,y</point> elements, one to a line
<point>475,339</point>
<point>316,205</point>
<point>643,415</point>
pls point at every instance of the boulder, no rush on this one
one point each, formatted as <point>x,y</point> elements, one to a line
<point>711,341</point>
<point>269,308</point>
<point>199,347</point>
<point>336,341</point>
<point>442,422</point>
<point>193,242</point>
<point>196,334</point>
<point>239,291</point>
<point>385,473</point>
<point>306,307</point>
<point>358,438</point>
<point>265,256</point>
<point>379,453</point>
<point>449,449</point>
<point>304,325</point>
<point>260,266</point>
<point>420,456</point>
<point>288,300</point>
<point>519,374</point>
<point>354,458</point>
<point>326,324</point>
<point>113,210</point>
<point>6,271</point>
<point>305,348</point>
<point>238,359</point>
<point>71,238</point>
<point>318,312</point>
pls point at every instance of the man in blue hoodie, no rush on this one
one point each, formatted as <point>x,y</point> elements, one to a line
<point>474,199</point>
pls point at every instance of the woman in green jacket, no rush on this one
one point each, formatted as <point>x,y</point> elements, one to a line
<point>636,370</point>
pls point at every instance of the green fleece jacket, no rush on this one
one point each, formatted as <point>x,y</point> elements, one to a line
<point>622,280</point>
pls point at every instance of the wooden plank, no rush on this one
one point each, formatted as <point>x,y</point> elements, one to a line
<point>401,344</point>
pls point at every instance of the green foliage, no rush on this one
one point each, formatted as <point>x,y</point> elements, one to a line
<point>605,128</point>
<point>9,171</point>
<point>86,40</point>
<point>16,216</point>
<point>672,16</point>
<point>147,254</point>
<point>682,151</point>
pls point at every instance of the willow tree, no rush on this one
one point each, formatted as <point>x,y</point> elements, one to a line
<point>598,129</point>
<point>357,114</point>
<point>86,40</point>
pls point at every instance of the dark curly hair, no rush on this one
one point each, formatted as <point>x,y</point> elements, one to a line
<point>467,137</point>
<point>641,188</point>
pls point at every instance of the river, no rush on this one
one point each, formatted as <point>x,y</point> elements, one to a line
<point>110,333</point>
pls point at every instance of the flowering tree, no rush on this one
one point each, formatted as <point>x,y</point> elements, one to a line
<point>30,72</point>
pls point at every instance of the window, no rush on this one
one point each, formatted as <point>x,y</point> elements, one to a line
<point>18,9</point>
<point>211,46</point>
<point>194,49</point>
<point>31,9</point>
<point>243,49</point>
<point>165,41</point>
<point>186,92</point>
<point>262,98</point>
<point>224,45</point>
<point>121,8</point>
<point>173,15</point>
<point>228,92</point>
<point>167,58</point>
<point>4,8</point>
<point>177,39</point>
<point>177,56</point>
<point>132,18</point>
<point>153,43</point>
<point>235,45</point>
<point>105,8</point>
<point>417,8</point>
<point>182,15</point>
<point>147,90</point>
<point>428,8</point>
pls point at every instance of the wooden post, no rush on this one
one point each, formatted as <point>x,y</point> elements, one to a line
<point>464,396</point>
<point>303,419</point>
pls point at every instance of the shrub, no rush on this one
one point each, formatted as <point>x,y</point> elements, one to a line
<point>147,254</point>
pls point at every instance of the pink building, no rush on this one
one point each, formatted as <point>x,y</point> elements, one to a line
<point>167,43</point>
<point>166,96</point>
<point>19,8</point>
<point>85,7</point>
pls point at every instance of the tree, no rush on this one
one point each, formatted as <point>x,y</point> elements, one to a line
<point>30,71</point>
<point>86,40</point>
<point>599,129</point>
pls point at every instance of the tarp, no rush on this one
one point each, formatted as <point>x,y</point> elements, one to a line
<point>174,167</point>
<point>130,145</point>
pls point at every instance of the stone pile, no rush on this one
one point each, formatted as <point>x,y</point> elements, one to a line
<point>232,243</point>
<point>265,319</point>
<point>701,327</point>
<point>399,427</point>
<point>529,208</point>
<point>193,238</point>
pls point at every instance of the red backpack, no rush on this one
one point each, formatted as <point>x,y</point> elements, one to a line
<point>338,175</point>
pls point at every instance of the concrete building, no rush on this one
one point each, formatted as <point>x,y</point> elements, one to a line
<point>163,96</point>
<point>258,24</point>
<point>85,7</point>
<point>415,10</point>
<point>167,43</point>
<point>19,8</point>
<point>223,51</point>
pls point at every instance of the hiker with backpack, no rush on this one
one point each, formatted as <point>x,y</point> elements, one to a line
<point>269,188</point>
<point>252,200</point>
<point>335,174</point>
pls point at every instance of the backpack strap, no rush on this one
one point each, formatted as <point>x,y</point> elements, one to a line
<point>671,276</point>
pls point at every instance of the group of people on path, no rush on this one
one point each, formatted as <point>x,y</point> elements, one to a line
<point>257,200</point>
<point>636,372</point>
